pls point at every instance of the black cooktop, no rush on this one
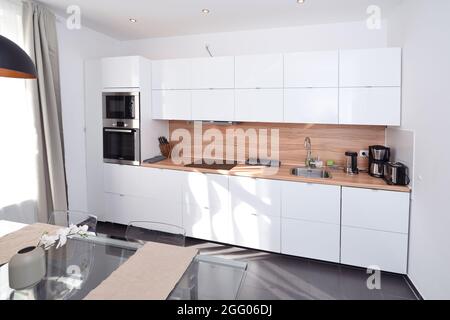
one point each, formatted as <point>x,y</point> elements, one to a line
<point>217,165</point>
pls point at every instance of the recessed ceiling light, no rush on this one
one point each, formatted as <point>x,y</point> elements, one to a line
<point>205,11</point>
<point>300,1</point>
<point>133,20</point>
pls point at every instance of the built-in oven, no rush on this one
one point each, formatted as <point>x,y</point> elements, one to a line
<point>121,145</point>
<point>121,109</point>
<point>121,127</point>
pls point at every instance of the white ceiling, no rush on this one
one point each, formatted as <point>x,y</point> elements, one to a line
<point>162,18</point>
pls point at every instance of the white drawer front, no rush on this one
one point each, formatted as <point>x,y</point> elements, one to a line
<point>206,191</point>
<point>255,196</point>
<point>313,240</point>
<point>313,202</point>
<point>208,224</point>
<point>365,248</point>
<point>143,182</point>
<point>376,209</point>
<point>125,209</point>
<point>256,231</point>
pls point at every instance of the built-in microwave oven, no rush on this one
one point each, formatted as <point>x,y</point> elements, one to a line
<point>121,146</point>
<point>121,109</point>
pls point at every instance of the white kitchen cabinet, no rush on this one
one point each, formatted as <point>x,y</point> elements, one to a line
<point>124,209</point>
<point>312,202</point>
<point>256,196</point>
<point>369,248</point>
<point>212,73</point>
<point>121,72</point>
<point>252,230</point>
<point>311,69</point>
<point>171,104</point>
<point>370,67</point>
<point>259,105</point>
<point>213,105</point>
<point>375,228</point>
<point>211,224</point>
<point>259,71</point>
<point>255,209</point>
<point>311,105</point>
<point>171,74</point>
<point>206,213</point>
<point>314,240</point>
<point>205,190</point>
<point>143,182</point>
<point>376,209</point>
<point>370,106</point>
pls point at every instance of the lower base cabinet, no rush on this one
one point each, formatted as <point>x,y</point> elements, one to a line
<point>369,248</point>
<point>207,224</point>
<point>256,231</point>
<point>255,212</point>
<point>284,217</point>
<point>124,209</point>
<point>314,240</point>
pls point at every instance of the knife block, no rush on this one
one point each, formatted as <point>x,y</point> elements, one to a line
<point>166,150</point>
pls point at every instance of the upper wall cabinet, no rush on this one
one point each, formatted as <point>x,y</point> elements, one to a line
<point>213,73</point>
<point>370,106</point>
<point>259,105</point>
<point>121,72</point>
<point>213,105</point>
<point>259,71</point>
<point>311,69</point>
<point>171,104</point>
<point>311,105</point>
<point>370,68</point>
<point>171,74</point>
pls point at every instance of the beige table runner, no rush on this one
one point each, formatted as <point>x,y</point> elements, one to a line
<point>150,274</point>
<point>26,237</point>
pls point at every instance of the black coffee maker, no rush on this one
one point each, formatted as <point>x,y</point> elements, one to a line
<point>379,156</point>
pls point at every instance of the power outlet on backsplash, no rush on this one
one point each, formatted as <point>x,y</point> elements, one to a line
<point>364,153</point>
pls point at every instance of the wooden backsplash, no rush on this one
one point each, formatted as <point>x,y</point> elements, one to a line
<point>330,142</point>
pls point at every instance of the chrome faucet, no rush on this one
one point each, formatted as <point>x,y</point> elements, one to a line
<point>309,158</point>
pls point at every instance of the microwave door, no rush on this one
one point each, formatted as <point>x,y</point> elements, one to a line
<point>121,106</point>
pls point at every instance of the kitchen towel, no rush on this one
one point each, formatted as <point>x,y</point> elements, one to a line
<point>150,274</point>
<point>28,236</point>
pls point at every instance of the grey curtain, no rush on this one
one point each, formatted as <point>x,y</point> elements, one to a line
<point>42,45</point>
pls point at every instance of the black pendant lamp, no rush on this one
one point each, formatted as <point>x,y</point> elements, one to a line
<point>14,62</point>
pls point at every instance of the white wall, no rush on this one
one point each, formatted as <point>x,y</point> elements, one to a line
<point>422,27</point>
<point>305,38</point>
<point>75,47</point>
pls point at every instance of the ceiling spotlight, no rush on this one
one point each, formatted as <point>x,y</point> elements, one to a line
<point>133,20</point>
<point>205,11</point>
<point>300,1</point>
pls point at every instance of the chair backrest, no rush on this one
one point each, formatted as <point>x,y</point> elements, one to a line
<point>67,218</point>
<point>146,231</point>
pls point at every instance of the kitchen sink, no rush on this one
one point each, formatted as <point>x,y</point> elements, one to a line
<point>311,173</point>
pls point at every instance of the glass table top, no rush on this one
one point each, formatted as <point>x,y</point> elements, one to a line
<point>79,267</point>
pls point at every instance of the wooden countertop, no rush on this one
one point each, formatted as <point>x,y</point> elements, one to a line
<point>338,177</point>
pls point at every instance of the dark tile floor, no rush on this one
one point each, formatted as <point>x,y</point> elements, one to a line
<point>273,276</point>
